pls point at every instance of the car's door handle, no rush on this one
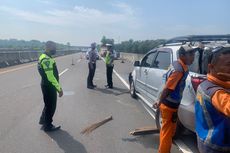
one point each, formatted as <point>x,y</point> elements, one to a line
<point>146,71</point>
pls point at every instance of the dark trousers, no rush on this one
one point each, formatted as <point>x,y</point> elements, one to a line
<point>205,149</point>
<point>92,69</point>
<point>50,101</point>
<point>109,74</point>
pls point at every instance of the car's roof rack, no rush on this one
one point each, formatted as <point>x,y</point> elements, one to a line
<point>198,38</point>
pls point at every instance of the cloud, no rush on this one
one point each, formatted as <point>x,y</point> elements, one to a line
<point>79,16</point>
<point>30,16</point>
<point>45,2</point>
<point>127,9</point>
<point>78,24</point>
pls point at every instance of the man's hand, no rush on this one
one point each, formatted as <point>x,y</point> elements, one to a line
<point>156,105</point>
<point>60,93</point>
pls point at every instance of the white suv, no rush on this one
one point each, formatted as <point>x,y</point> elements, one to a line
<point>147,81</point>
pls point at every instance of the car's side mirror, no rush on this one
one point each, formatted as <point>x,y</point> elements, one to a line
<point>137,63</point>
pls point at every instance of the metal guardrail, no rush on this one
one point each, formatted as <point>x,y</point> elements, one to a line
<point>11,57</point>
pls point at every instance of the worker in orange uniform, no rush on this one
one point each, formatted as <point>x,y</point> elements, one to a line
<point>172,94</point>
<point>212,105</point>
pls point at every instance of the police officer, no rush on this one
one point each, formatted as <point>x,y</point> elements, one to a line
<point>49,85</point>
<point>212,105</point>
<point>172,94</point>
<point>92,66</point>
<point>109,58</point>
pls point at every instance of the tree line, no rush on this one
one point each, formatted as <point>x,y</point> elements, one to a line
<point>131,46</point>
<point>32,44</point>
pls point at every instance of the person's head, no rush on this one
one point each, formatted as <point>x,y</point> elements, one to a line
<point>93,45</point>
<point>187,54</point>
<point>50,47</point>
<point>219,62</point>
<point>109,47</point>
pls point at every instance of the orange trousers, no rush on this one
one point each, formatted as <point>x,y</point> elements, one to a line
<point>168,128</point>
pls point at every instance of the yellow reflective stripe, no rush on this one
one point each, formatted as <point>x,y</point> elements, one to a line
<point>107,58</point>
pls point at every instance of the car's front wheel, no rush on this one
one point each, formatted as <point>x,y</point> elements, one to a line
<point>179,128</point>
<point>133,90</point>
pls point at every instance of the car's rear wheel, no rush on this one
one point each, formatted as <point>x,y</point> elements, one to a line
<point>179,129</point>
<point>133,90</point>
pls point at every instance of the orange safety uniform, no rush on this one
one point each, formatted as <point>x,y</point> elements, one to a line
<point>213,116</point>
<point>167,113</point>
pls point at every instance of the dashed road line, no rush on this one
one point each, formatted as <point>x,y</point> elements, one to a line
<point>63,72</point>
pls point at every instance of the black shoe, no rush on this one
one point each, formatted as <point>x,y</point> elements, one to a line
<point>110,87</point>
<point>90,87</point>
<point>51,128</point>
<point>41,122</point>
<point>94,86</point>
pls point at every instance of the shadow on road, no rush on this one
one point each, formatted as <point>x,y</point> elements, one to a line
<point>66,142</point>
<point>115,91</point>
<point>148,141</point>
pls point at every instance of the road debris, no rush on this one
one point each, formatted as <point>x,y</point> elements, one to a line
<point>145,131</point>
<point>92,127</point>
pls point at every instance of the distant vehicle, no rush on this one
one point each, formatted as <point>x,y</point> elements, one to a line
<point>147,81</point>
<point>87,55</point>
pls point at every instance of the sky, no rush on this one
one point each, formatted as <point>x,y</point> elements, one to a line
<point>82,22</point>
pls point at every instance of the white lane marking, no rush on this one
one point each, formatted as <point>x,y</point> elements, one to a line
<point>145,101</point>
<point>141,97</point>
<point>182,146</point>
<point>122,80</point>
<point>79,60</point>
<point>153,116</point>
<point>63,72</point>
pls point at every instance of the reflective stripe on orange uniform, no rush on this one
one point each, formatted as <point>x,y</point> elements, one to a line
<point>221,99</point>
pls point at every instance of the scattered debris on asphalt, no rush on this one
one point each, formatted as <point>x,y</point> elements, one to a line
<point>92,127</point>
<point>145,131</point>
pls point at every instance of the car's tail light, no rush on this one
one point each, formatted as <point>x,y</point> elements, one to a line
<point>196,81</point>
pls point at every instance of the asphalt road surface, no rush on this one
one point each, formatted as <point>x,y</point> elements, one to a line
<point>21,105</point>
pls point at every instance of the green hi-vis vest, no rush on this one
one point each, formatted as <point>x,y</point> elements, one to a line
<point>48,71</point>
<point>107,58</point>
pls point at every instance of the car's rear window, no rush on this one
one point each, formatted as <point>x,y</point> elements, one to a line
<point>200,64</point>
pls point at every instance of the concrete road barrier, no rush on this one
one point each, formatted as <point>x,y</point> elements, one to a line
<point>14,57</point>
<point>131,57</point>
